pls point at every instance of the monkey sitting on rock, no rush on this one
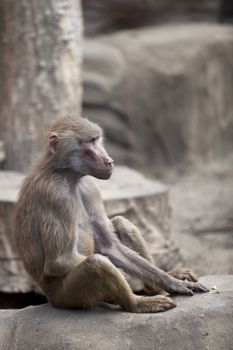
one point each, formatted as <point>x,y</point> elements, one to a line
<point>77,255</point>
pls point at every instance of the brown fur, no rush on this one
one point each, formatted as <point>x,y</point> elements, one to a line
<point>65,239</point>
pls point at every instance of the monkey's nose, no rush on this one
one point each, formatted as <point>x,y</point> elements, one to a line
<point>109,163</point>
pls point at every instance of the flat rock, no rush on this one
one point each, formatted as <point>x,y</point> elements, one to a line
<point>9,185</point>
<point>128,193</point>
<point>201,322</point>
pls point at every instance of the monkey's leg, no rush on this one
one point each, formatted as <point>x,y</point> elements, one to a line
<point>97,279</point>
<point>130,236</point>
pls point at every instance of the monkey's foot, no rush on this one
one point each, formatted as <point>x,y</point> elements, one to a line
<point>182,273</point>
<point>156,303</point>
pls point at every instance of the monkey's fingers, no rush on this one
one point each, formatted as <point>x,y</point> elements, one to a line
<point>157,303</point>
<point>182,290</point>
<point>188,288</point>
<point>197,287</point>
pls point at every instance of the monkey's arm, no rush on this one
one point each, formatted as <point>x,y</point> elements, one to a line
<point>133,264</point>
<point>106,243</point>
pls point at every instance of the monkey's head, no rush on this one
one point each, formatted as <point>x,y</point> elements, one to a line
<point>77,144</point>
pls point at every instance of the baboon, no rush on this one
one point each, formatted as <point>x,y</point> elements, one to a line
<point>72,249</point>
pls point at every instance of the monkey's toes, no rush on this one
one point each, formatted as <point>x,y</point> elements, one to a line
<point>164,303</point>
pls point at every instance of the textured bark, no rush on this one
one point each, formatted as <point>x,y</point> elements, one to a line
<point>40,44</point>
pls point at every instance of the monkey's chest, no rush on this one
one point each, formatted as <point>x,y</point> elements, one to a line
<point>85,241</point>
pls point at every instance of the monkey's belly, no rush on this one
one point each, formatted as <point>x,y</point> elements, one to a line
<point>135,284</point>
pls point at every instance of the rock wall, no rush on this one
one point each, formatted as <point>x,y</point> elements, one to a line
<point>162,94</point>
<point>104,16</point>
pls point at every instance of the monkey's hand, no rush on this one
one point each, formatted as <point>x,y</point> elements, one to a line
<point>102,233</point>
<point>182,273</point>
<point>186,288</point>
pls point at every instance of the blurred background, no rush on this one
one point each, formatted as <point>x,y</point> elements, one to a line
<point>158,77</point>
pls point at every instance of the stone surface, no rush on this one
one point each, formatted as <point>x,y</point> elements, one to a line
<point>200,322</point>
<point>127,193</point>
<point>103,16</point>
<point>157,89</point>
<point>202,217</point>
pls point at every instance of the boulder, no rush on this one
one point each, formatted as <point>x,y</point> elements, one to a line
<point>201,322</point>
<point>202,217</point>
<point>162,94</point>
<point>104,16</point>
<point>13,277</point>
<point>128,193</point>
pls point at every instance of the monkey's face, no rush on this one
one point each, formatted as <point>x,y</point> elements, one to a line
<point>93,159</point>
<point>77,144</point>
<point>86,157</point>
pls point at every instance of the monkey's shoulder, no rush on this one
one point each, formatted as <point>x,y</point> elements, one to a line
<point>91,196</point>
<point>38,189</point>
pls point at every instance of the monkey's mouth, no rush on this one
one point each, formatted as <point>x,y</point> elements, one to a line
<point>106,173</point>
<point>109,170</point>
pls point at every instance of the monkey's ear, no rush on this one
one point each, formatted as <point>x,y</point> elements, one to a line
<point>52,140</point>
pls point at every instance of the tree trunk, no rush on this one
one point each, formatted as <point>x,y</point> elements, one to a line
<point>40,72</point>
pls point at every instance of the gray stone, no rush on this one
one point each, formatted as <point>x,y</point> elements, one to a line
<point>162,94</point>
<point>127,193</point>
<point>201,322</point>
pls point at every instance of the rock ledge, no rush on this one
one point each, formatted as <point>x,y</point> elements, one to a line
<point>198,322</point>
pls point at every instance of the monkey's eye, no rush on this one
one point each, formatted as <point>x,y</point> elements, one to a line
<point>93,140</point>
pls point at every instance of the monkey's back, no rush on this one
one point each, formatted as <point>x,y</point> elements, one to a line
<point>27,227</point>
<point>39,210</point>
